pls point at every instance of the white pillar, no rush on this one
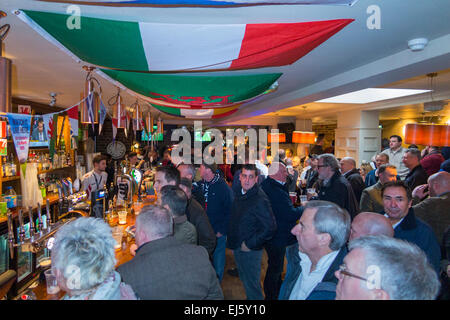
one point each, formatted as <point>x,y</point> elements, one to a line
<point>358,135</point>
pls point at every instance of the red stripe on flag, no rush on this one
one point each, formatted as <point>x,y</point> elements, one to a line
<point>280,44</point>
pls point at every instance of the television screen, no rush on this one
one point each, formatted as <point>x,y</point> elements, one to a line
<point>38,137</point>
<point>198,136</point>
<point>155,136</point>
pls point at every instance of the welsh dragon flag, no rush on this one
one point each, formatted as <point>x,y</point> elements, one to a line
<point>197,90</point>
<point>156,47</point>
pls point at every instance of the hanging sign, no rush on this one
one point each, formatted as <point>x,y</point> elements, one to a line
<point>20,128</point>
<point>24,109</point>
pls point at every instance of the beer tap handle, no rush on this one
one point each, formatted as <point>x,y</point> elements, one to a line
<point>10,234</point>
<point>21,228</point>
<point>41,222</point>
<point>30,217</point>
<point>49,217</point>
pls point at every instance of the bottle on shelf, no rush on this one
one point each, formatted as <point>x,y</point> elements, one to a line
<point>10,197</point>
<point>12,166</point>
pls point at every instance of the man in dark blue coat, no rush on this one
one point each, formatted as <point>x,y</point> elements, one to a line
<point>252,224</point>
<point>286,216</point>
<point>218,202</point>
<point>397,200</point>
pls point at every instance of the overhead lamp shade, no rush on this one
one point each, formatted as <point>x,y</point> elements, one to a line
<point>306,137</point>
<point>276,137</point>
<point>427,134</point>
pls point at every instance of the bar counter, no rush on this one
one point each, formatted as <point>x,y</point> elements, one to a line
<point>122,255</point>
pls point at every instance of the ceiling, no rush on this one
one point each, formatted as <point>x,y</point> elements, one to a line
<point>353,59</point>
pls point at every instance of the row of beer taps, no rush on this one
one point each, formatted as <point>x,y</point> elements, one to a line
<point>36,236</point>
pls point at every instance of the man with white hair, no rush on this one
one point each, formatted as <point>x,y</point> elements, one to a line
<point>370,224</point>
<point>321,234</point>
<point>351,173</point>
<point>165,268</point>
<point>384,268</point>
<point>83,260</point>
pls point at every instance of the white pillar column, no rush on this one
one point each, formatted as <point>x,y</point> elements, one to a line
<point>358,135</point>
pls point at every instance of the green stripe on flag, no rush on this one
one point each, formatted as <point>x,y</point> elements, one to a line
<point>107,43</point>
<point>173,111</point>
<point>195,90</point>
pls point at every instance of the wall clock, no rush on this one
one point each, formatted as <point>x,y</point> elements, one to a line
<point>116,149</point>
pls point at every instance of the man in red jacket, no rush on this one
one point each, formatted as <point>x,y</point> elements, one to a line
<point>431,160</point>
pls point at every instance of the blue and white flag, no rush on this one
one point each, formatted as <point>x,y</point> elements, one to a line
<point>102,116</point>
<point>20,125</point>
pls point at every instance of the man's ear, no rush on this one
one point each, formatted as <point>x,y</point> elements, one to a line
<point>324,239</point>
<point>379,294</point>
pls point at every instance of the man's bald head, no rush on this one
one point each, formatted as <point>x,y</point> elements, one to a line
<point>439,183</point>
<point>370,224</point>
<point>347,164</point>
<point>278,171</point>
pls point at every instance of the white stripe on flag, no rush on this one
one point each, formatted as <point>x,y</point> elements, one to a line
<point>197,113</point>
<point>175,47</point>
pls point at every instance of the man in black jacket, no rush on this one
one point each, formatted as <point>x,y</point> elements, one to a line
<point>417,175</point>
<point>351,173</point>
<point>252,224</point>
<point>286,216</point>
<point>197,216</point>
<point>334,187</point>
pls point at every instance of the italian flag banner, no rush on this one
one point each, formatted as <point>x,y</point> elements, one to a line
<point>194,91</point>
<point>161,47</point>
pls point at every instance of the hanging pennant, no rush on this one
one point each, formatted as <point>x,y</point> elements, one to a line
<point>102,116</point>
<point>20,125</point>
<point>73,119</point>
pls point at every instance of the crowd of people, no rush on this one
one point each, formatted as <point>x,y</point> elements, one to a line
<point>375,233</point>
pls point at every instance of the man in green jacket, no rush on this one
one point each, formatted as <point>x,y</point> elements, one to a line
<point>371,200</point>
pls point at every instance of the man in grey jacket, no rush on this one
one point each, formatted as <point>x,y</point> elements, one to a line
<point>165,268</point>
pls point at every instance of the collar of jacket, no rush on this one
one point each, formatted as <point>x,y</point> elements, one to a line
<point>378,185</point>
<point>419,167</point>
<point>334,177</point>
<point>276,184</point>
<point>329,275</point>
<point>409,222</point>
<point>250,193</point>
<point>349,173</point>
<point>180,219</point>
<point>153,245</point>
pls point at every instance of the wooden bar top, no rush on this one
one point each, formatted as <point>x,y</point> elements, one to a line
<point>122,255</point>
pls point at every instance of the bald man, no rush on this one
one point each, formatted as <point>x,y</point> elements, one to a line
<point>351,173</point>
<point>370,224</point>
<point>434,210</point>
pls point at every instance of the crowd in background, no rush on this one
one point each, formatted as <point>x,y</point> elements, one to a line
<point>390,217</point>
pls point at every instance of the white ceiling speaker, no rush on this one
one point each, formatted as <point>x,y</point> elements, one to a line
<point>417,44</point>
<point>53,101</point>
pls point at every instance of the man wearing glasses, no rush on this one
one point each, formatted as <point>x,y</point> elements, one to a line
<point>397,201</point>
<point>333,186</point>
<point>383,268</point>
